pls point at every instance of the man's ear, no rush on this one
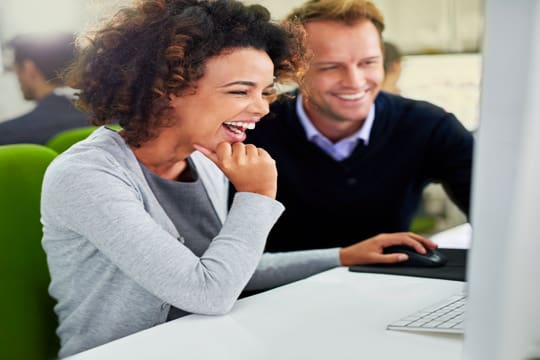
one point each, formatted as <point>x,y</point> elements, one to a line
<point>29,68</point>
<point>396,67</point>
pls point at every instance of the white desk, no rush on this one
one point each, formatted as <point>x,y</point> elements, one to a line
<point>333,315</point>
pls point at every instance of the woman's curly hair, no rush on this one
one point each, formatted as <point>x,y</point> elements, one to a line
<point>160,47</point>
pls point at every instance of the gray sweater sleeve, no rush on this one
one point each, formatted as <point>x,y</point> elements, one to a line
<point>93,201</point>
<point>277,269</point>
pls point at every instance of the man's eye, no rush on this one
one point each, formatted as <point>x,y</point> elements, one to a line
<point>370,62</point>
<point>238,92</point>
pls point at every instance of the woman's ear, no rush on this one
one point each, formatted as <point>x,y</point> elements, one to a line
<point>172,100</point>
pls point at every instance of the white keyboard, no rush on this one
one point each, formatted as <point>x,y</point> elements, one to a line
<point>446,316</point>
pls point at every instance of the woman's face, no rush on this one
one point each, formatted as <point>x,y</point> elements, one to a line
<point>231,97</point>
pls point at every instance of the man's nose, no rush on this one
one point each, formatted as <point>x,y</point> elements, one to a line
<point>353,77</point>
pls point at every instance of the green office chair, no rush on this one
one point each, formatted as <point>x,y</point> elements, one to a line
<point>63,140</point>
<point>423,224</point>
<point>27,320</point>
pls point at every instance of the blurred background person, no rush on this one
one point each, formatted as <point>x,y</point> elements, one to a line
<point>38,60</point>
<point>392,68</point>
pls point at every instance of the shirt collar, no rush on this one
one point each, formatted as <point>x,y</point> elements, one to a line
<point>311,132</point>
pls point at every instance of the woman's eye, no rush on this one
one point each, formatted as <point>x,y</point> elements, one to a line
<point>238,92</point>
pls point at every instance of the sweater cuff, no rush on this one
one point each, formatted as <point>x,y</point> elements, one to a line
<point>333,256</point>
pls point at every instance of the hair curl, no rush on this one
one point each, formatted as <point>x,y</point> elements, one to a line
<point>160,47</point>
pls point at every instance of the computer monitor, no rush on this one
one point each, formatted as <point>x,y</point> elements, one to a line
<point>503,315</point>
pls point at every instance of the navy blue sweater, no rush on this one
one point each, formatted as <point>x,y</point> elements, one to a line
<point>52,115</point>
<point>378,188</point>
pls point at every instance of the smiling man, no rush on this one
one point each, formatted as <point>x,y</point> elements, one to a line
<point>353,160</point>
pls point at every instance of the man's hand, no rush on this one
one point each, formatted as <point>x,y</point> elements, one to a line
<point>370,251</point>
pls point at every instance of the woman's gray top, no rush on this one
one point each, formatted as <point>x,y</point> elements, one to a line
<point>115,258</point>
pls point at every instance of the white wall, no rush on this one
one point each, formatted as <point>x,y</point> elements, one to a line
<point>11,102</point>
<point>418,26</point>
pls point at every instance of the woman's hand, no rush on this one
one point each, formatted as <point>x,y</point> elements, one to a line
<point>250,169</point>
<point>370,251</point>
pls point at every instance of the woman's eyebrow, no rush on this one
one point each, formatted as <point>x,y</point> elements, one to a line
<point>245,83</point>
<point>239,82</point>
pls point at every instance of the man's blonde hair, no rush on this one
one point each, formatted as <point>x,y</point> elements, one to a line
<point>345,11</point>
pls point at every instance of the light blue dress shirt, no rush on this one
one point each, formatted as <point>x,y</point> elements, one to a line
<point>344,147</point>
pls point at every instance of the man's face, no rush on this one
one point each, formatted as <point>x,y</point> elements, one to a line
<point>345,75</point>
<point>23,70</point>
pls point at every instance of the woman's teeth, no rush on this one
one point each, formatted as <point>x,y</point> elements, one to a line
<point>245,125</point>
<point>238,127</point>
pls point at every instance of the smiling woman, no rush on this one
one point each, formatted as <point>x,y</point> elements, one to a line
<point>136,221</point>
<point>231,96</point>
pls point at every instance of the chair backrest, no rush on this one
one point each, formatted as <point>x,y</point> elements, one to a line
<point>63,140</point>
<point>27,320</point>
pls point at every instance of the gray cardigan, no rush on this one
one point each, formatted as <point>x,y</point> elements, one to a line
<point>114,256</point>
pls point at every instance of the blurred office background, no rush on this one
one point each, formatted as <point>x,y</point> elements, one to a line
<point>441,41</point>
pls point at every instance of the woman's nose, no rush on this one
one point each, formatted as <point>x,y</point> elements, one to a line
<point>260,106</point>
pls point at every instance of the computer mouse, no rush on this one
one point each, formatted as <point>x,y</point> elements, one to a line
<point>432,258</point>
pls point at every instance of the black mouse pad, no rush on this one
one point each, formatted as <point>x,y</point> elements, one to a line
<point>453,270</point>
